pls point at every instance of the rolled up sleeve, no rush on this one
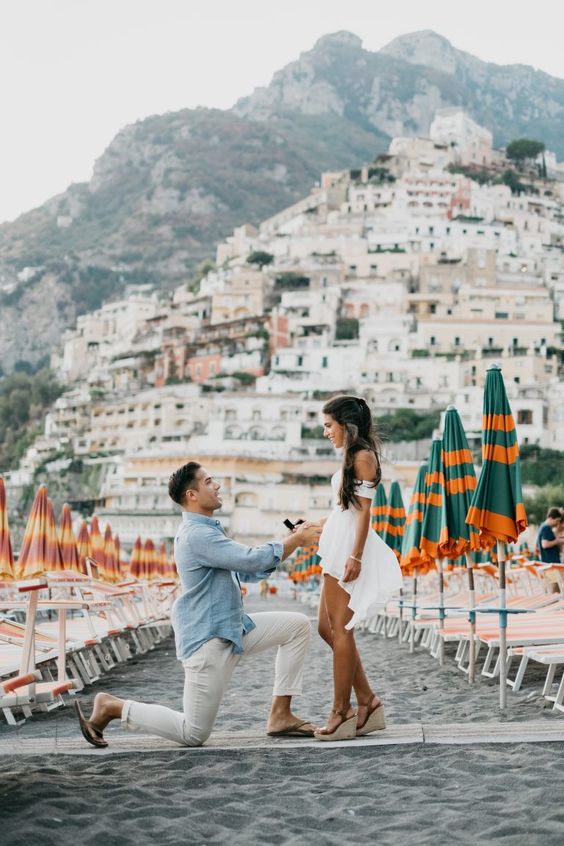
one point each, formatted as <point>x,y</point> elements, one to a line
<point>213,549</point>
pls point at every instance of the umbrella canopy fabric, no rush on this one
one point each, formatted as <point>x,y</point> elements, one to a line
<point>110,573</point>
<point>411,558</point>
<point>40,552</point>
<point>6,552</point>
<point>434,531</point>
<point>97,545</point>
<point>83,546</point>
<point>150,560</point>
<point>459,487</point>
<point>497,510</point>
<point>378,510</point>
<point>136,560</point>
<point>67,542</point>
<point>393,530</point>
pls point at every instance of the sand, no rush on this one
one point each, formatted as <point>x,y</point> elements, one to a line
<point>413,793</point>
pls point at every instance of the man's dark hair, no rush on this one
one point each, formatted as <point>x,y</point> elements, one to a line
<point>181,480</point>
<point>554,514</point>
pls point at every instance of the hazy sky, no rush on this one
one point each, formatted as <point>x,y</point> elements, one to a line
<point>73,72</point>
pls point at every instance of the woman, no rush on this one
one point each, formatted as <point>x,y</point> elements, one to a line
<point>360,572</point>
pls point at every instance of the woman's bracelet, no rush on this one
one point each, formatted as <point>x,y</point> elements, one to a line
<point>354,558</point>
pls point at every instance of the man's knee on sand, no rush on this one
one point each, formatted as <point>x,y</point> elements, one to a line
<point>302,626</point>
<point>195,737</point>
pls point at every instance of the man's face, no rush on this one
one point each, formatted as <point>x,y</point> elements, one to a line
<point>205,493</point>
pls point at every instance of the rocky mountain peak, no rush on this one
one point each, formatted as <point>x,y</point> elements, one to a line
<point>348,39</point>
<point>425,47</point>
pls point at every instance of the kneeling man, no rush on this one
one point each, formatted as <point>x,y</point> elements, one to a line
<point>213,634</point>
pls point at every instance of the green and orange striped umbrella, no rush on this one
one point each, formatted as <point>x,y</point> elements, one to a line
<point>67,542</point>
<point>40,552</point>
<point>393,530</point>
<point>411,556</point>
<point>497,510</point>
<point>136,560</point>
<point>378,510</point>
<point>434,531</point>
<point>459,487</point>
<point>83,546</point>
<point>97,545</point>
<point>6,552</point>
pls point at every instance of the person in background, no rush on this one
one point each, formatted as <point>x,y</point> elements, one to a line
<point>549,539</point>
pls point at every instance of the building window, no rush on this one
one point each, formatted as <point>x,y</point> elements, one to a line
<point>300,361</point>
<point>525,416</point>
<point>457,341</point>
<point>324,361</point>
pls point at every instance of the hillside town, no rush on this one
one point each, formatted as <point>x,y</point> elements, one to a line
<point>399,281</point>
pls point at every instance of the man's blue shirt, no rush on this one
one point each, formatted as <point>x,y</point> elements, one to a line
<point>208,563</point>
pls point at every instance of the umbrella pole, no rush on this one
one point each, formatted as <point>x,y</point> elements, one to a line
<point>441,611</point>
<point>472,621</point>
<point>400,631</point>
<point>413,612</point>
<point>502,629</point>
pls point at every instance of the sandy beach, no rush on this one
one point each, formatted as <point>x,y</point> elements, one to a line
<point>411,793</point>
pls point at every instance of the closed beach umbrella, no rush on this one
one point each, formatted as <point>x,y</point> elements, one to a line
<point>459,487</point>
<point>136,560</point>
<point>97,546</point>
<point>497,509</point>
<point>378,509</point>
<point>433,529</point>
<point>67,541</point>
<point>395,519</point>
<point>460,484</point>
<point>35,551</point>
<point>55,555</point>
<point>110,561</point>
<point>150,560</point>
<point>6,553</point>
<point>83,546</point>
<point>412,559</point>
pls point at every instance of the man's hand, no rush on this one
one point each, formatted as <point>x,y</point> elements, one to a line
<point>352,570</point>
<point>307,533</point>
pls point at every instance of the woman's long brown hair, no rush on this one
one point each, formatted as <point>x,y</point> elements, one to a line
<point>354,415</point>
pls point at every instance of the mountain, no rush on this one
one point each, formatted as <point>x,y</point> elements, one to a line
<point>168,187</point>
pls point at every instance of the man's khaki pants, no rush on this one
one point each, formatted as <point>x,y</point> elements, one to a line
<point>209,670</point>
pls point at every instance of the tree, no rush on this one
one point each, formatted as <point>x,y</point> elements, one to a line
<point>260,257</point>
<point>523,149</point>
<point>538,504</point>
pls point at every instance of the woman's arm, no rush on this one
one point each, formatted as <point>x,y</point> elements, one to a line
<point>365,469</point>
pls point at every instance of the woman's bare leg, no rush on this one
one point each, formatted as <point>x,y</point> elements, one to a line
<point>362,688</point>
<point>345,655</point>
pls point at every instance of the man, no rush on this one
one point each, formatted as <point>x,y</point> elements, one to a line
<point>213,634</point>
<point>547,541</point>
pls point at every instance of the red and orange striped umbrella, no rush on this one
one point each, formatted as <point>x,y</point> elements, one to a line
<point>136,560</point>
<point>83,546</point>
<point>150,560</point>
<point>67,541</point>
<point>97,545</point>
<point>56,563</point>
<point>121,565</point>
<point>110,573</point>
<point>40,552</point>
<point>6,553</point>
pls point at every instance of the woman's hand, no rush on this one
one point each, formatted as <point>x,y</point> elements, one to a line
<point>352,570</point>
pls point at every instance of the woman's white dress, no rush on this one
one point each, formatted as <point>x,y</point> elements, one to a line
<point>380,574</point>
